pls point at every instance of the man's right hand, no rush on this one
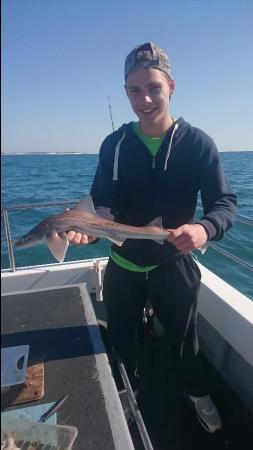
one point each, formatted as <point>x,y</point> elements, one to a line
<point>76,238</point>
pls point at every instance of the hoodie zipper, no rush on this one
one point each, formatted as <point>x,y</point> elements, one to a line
<point>154,158</point>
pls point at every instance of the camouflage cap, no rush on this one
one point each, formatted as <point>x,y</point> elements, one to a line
<point>147,55</point>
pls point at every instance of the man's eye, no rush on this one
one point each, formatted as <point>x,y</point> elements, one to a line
<point>155,88</point>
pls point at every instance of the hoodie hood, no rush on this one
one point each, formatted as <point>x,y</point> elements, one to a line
<point>175,133</point>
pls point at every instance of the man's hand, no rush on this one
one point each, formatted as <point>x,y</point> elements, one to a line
<point>188,237</point>
<point>79,238</point>
<point>76,238</point>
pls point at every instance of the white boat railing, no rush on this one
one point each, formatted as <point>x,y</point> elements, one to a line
<point>12,266</point>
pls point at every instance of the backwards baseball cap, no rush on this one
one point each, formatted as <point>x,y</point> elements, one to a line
<point>145,56</point>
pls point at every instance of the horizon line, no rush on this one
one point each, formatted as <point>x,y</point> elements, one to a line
<point>92,153</point>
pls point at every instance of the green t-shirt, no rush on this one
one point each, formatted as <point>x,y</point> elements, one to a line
<point>153,144</point>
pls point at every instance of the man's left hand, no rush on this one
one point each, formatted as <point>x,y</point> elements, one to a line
<point>188,237</point>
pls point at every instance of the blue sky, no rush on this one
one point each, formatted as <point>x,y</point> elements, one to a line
<point>61,59</point>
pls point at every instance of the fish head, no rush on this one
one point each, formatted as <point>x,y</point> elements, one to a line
<point>33,237</point>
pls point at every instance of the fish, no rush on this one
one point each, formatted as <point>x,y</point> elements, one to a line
<point>83,218</point>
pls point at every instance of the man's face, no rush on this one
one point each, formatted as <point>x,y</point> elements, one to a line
<point>149,92</point>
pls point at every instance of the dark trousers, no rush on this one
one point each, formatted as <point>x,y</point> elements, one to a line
<point>172,289</point>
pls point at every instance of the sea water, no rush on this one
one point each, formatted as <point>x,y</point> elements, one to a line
<point>29,179</point>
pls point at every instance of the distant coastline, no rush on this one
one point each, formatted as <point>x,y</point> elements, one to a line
<point>46,153</point>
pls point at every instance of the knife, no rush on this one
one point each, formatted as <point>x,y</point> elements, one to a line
<point>52,409</point>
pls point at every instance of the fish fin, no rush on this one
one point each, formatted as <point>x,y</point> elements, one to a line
<point>119,243</point>
<point>202,249</point>
<point>157,222</point>
<point>58,245</point>
<point>86,204</point>
<point>158,241</point>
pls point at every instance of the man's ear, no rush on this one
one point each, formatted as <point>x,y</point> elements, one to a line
<point>125,86</point>
<point>172,86</point>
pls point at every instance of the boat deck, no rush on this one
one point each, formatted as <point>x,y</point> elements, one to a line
<point>61,329</point>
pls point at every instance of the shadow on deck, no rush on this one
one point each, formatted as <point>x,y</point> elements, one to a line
<point>170,422</point>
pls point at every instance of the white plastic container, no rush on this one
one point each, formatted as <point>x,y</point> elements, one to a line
<point>55,437</point>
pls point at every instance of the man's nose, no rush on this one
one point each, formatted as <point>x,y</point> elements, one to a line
<point>147,99</point>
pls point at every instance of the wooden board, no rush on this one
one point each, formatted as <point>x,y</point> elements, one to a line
<point>32,389</point>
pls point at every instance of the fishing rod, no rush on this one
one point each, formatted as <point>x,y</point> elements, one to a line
<point>110,112</point>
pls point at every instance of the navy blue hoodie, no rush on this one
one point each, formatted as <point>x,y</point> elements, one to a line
<point>139,187</point>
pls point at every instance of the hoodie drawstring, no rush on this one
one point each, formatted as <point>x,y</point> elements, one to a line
<point>116,159</point>
<point>170,145</point>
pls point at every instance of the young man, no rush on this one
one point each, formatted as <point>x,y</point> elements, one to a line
<point>155,168</point>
